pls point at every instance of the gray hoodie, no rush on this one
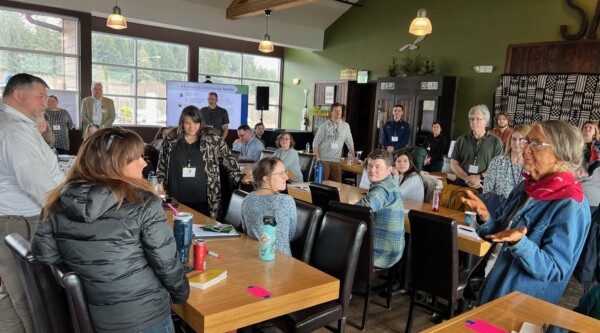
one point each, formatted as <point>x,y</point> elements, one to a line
<point>330,139</point>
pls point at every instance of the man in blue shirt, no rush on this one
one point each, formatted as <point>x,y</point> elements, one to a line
<point>395,133</point>
<point>251,146</point>
<point>385,198</point>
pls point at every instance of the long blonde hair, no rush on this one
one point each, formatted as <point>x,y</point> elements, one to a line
<point>101,160</point>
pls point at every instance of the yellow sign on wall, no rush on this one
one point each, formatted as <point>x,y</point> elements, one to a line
<point>348,74</point>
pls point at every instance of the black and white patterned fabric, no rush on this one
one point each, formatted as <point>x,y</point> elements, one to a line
<point>527,99</point>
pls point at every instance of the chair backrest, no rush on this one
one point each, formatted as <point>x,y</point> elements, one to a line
<point>434,260</point>
<point>364,267</point>
<point>321,195</point>
<point>307,223</point>
<point>78,307</point>
<point>429,182</point>
<point>266,153</point>
<point>234,210</point>
<point>47,303</point>
<point>336,251</point>
<point>307,163</point>
<point>450,197</point>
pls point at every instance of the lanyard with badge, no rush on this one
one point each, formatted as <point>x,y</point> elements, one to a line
<point>474,168</point>
<point>189,171</point>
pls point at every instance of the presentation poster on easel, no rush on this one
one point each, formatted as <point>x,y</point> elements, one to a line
<point>233,98</point>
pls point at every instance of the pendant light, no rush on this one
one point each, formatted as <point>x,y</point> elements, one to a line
<point>421,25</point>
<point>116,20</point>
<point>266,46</point>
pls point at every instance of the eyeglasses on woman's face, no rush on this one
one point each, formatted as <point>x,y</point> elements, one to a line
<point>280,174</point>
<point>534,145</point>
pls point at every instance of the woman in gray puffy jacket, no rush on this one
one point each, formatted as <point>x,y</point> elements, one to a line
<point>106,223</point>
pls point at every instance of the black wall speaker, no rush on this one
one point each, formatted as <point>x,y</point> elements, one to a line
<point>262,98</point>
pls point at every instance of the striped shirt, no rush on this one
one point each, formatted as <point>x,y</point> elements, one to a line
<point>385,199</point>
<point>28,167</point>
<point>60,123</point>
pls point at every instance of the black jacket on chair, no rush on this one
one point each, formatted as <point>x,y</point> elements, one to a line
<point>125,257</point>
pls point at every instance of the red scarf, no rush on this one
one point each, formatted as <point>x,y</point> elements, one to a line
<point>561,185</point>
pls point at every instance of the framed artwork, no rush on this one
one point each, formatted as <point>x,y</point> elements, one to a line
<point>329,94</point>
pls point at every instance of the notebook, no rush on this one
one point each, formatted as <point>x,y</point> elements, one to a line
<point>219,230</point>
<point>208,278</point>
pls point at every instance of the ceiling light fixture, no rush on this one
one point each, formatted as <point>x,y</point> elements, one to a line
<point>116,20</point>
<point>266,46</point>
<point>421,25</point>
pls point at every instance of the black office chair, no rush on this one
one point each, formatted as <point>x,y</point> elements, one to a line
<point>266,153</point>
<point>321,194</point>
<point>365,270</point>
<point>434,263</point>
<point>307,222</point>
<point>307,163</point>
<point>78,307</point>
<point>47,303</point>
<point>336,252</point>
<point>234,210</point>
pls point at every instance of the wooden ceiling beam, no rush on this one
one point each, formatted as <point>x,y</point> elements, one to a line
<point>247,8</point>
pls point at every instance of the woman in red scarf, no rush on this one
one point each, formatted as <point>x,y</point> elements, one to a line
<point>541,228</point>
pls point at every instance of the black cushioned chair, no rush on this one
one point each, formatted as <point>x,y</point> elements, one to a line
<point>307,163</point>
<point>307,223</point>
<point>80,315</point>
<point>434,263</point>
<point>321,194</point>
<point>234,210</point>
<point>365,270</point>
<point>47,303</point>
<point>335,252</point>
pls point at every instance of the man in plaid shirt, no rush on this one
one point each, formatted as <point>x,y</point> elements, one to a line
<point>385,199</point>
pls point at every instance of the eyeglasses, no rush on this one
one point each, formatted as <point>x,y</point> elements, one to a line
<point>280,174</point>
<point>116,132</point>
<point>534,145</point>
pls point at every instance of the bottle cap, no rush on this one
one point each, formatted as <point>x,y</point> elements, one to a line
<point>270,220</point>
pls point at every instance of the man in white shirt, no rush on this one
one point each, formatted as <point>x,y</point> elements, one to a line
<point>97,109</point>
<point>28,171</point>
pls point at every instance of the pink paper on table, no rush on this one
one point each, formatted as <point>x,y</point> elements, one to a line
<point>481,326</point>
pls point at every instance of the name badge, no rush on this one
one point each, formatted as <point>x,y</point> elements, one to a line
<point>189,172</point>
<point>56,127</point>
<point>335,145</point>
<point>473,168</point>
<point>394,139</point>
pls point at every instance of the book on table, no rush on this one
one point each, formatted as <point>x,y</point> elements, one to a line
<point>218,230</point>
<point>208,278</point>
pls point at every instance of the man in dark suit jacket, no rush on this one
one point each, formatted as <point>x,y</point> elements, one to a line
<point>97,109</point>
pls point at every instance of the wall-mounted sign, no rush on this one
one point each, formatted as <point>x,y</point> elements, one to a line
<point>388,85</point>
<point>429,86</point>
<point>363,76</point>
<point>348,74</point>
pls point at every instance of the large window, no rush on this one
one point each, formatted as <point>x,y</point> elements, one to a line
<point>246,69</point>
<point>134,72</point>
<point>44,45</point>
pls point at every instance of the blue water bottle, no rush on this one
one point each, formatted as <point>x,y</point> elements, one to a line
<point>319,172</point>
<point>266,243</point>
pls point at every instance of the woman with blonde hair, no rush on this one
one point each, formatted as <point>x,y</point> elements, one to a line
<point>106,224</point>
<point>89,130</point>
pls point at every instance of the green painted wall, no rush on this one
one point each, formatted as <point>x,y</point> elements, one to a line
<point>465,33</point>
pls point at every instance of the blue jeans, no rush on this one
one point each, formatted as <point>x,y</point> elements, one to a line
<point>163,326</point>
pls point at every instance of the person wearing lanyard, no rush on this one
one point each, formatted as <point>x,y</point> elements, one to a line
<point>474,151</point>
<point>188,168</point>
<point>395,133</point>
<point>97,109</point>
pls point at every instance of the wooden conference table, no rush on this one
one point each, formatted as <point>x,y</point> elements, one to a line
<point>351,194</point>
<point>510,311</point>
<point>227,305</point>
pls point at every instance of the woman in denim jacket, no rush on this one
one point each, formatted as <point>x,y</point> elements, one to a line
<point>541,228</point>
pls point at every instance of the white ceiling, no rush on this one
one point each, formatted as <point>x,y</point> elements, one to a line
<point>297,27</point>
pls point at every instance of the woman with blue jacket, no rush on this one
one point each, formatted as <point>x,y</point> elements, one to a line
<point>541,228</point>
